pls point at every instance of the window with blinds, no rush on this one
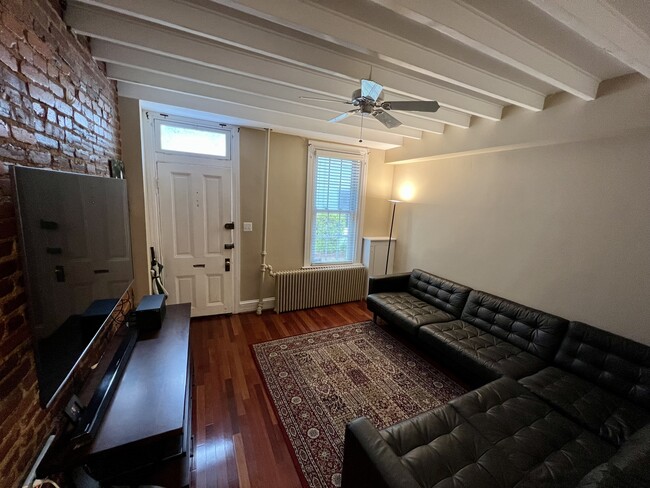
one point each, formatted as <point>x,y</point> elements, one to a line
<point>335,207</point>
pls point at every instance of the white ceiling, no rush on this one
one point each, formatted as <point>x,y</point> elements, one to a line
<point>251,60</point>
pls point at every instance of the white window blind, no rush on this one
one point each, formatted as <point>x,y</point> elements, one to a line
<point>335,208</point>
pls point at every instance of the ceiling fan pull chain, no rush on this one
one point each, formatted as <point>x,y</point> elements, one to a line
<point>361,133</point>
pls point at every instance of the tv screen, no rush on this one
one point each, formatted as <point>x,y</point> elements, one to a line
<point>76,249</point>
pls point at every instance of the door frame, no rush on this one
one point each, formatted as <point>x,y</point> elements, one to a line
<point>152,216</point>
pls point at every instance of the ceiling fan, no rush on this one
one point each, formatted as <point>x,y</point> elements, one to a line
<point>368,100</point>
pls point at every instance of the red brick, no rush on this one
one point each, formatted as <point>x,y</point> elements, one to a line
<point>81,120</point>
<point>18,338</point>
<point>10,151</point>
<point>39,110</point>
<point>40,62</point>
<point>41,95</point>
<point>15,322</point>
<point>33,74</point>
<point>47,141</point>
<point>56,89</point>
<point>14,304</point>
<point>63,107</point>
<point>6,287</point>
<point>22,135</point>
<point>26,51</point>
<point>8,229</point>
<point>41,158</point>
<point>6,249</point>
<point>39,45</point>
<point>9,382</point>
<point>8,58</point>
<point>8,268</point>
<point>14,25</point>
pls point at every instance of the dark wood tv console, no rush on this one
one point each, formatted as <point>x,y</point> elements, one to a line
<point>145,436</point>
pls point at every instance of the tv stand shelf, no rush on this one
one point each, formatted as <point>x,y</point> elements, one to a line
<point>145,435</point>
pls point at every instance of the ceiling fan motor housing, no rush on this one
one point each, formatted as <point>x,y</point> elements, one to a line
<point>366,104</point>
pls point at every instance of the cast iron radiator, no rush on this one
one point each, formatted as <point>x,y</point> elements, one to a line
<point>314,287</point>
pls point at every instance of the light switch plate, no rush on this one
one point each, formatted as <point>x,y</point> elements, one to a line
<point>248,226</point>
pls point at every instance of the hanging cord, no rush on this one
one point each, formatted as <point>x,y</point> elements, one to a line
<point>361,133</point>
<point>156,278</point>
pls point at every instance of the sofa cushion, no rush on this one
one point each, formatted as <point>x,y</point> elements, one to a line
<point>440,448</point>
<point>405,310</point>
<point>481,355</point>
<point>497,435</point>
<point>534,331</point>
<point>439,292</point>
<point>613,362</point>
<point>545,447</point>
<point>612,417</point>
<point>629,467</point>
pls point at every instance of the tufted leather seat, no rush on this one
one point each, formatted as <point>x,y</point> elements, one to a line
<point>498,435</point>
<point>410,301</point>
<point>534,331</point>
<point>481,356</point>
<point>602,381</point>
<point>496,337</point>
<point>613,362</point>
<point>406,311</point>
<point>627,468</point>
<point>610,416</point>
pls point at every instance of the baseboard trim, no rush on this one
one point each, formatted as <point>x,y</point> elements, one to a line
<point>251,305</point>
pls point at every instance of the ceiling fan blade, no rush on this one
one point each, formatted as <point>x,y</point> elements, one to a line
<point>325,99</point>
<point>342,116</point>
<point>370,89</point>
<point>386,119</point>
<point>414,106</point>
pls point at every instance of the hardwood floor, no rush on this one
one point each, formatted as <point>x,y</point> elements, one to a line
<point>238,442</point>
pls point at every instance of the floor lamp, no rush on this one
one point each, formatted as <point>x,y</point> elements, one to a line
<point>390,236</point>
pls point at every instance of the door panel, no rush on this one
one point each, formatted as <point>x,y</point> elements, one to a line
<point>181,214</point>
<point>194,204</point>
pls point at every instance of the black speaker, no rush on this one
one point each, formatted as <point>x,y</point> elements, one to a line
<point>150,312</point>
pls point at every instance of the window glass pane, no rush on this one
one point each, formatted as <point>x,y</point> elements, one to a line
<point>335,210</point>
<point>195,141</point>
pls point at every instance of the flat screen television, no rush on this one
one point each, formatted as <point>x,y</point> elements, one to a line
<point>76,248</point>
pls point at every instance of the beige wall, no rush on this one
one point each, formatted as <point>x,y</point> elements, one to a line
<point>287,199</point>
<point>132,157</point>
<point>564,227</point>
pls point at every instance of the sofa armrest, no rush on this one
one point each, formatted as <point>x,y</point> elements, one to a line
<point>393,282</point>
<point>369,462</point>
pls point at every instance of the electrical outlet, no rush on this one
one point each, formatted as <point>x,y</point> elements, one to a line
<point>248,226</point>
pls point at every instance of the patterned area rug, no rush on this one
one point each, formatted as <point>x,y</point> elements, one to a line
<point>320,381</point>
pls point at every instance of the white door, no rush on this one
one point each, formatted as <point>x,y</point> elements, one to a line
<point>195,204</point>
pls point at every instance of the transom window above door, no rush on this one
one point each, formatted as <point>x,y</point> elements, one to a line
<point>182,138</point>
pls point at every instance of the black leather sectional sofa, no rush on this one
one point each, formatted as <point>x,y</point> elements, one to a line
<point>557,403</point>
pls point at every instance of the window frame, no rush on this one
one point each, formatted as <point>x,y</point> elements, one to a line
<point>198,127</point>
<point>348,152</point>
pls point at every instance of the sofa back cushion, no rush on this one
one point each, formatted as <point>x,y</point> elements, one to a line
<point>439,292</point>
<point>534,331</point>
<point>613,362</point>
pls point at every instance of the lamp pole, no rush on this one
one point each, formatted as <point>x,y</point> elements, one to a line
<point>390,236</point>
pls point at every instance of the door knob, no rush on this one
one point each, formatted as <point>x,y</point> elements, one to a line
<point>227,264</point>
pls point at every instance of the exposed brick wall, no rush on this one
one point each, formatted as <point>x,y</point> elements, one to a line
<point>57,110</point>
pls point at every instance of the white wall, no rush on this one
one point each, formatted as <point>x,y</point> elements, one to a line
<point>562,226</point>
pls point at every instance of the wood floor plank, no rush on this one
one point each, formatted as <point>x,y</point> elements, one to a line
<point>239,442</point>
